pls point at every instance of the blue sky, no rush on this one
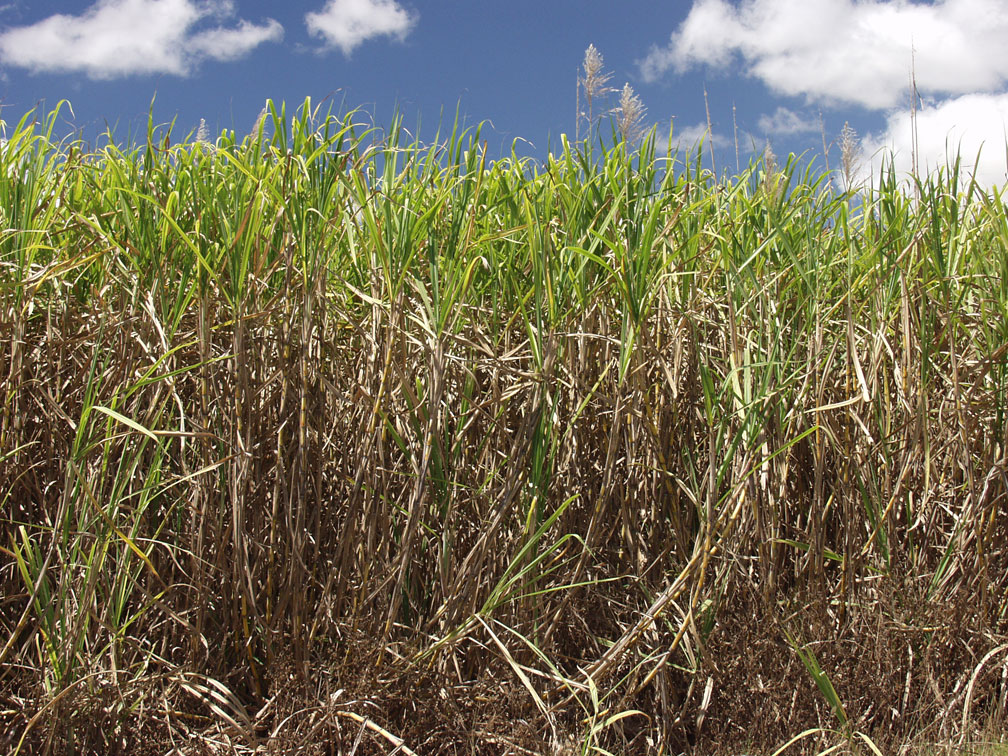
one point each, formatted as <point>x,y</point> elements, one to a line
<point>778,63</point>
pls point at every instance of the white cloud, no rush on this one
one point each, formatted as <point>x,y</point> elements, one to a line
<point>115,38</point>
<point>960,125</point>
<point>348,23</point>
<point>688,137</point>
<point>785,121</point>
<point>230,44</point>
<point>845,51</point>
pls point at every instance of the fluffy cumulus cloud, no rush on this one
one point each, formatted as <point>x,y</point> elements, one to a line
<point>845,51</point>
<point>116,38</point>
<point>862,52</point>
<point>785,121</point>
<point>968,126</point>
<point>348,23</point>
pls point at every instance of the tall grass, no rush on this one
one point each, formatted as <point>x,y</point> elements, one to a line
<point>324,435</point>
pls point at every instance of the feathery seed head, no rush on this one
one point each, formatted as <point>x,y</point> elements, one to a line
<point>258,122</point>
<point>771,172</point>
<point>595,79</point>
<point>593,83</point>
<point>593,65</point>
<point>850,148</point>
<point>631,115</point>
<point>769,158</point>
<point>202,133</point>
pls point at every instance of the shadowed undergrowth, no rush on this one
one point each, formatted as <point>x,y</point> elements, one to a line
<point>324,439</point>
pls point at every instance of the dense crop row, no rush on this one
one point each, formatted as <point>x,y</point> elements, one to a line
<point>323,435</point>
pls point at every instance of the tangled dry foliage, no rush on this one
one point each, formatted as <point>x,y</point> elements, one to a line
<point>319,442</point>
